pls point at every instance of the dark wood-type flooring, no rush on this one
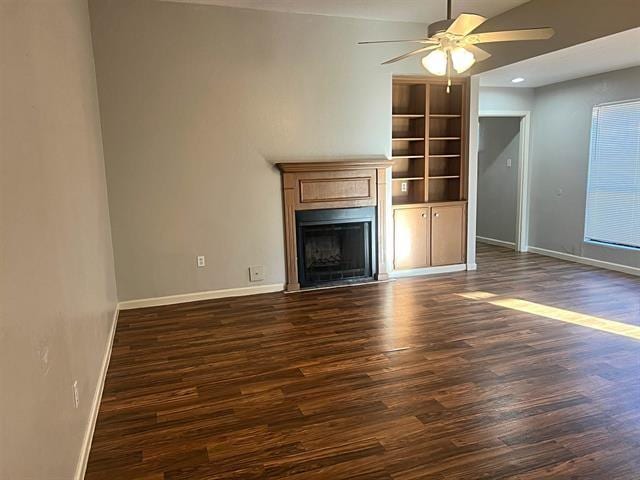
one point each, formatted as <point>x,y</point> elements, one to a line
<point>399,380</point>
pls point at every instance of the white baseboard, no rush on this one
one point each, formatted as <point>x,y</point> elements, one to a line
<point>197,296</point>
<point>496,242</point>
<point>415,272</point>
<point>81,467</point>
<point>472,266</point>
<point>587,261</point>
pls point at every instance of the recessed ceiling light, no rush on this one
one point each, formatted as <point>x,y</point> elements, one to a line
<point>517,80</point>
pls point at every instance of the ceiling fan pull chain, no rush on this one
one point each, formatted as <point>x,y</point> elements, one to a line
<point>448,73</point>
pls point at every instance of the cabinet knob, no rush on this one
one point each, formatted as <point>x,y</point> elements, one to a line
<point>436,214</point>
<point>424,215</point>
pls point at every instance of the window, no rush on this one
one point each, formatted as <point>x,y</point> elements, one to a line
<point>613,189</point>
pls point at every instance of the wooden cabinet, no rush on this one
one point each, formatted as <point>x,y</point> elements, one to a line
<point>411,238</point>
<point>429,132</point>
<point>447,234</point>
<point>429,236</point>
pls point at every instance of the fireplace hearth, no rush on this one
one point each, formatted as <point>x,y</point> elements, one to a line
<point>336,246</point>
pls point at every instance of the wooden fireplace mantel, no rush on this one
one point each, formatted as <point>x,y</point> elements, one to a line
<point>334,166</point>
<point>333,184</point>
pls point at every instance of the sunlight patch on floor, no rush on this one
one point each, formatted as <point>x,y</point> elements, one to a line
<point>477,295</point>
<point>568,316</point>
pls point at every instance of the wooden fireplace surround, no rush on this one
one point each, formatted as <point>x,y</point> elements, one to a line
<point>335,184</point>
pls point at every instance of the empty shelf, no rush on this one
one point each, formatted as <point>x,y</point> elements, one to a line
<point>406,179</point>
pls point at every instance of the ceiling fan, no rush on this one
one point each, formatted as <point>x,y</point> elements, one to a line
<point>453,43</point>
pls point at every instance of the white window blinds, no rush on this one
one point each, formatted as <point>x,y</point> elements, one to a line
<point>613,190</point>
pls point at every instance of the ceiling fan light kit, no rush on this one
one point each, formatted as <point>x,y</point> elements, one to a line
<point>462,59</point>
<point>451,42</point>
<point>436,62</point>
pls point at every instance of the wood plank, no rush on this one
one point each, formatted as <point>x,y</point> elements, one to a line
<point>417,378</point>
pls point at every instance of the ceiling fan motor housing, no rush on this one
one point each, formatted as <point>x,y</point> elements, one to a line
<point>438,27</point>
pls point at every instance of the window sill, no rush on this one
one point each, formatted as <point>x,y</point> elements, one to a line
<point>611,245</point>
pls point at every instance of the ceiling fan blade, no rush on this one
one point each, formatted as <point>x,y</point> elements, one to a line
<point>415,52</point>
<point>478,53</point>
<point>425,41</point>
<point>466,23</point>
<point>513,35</point>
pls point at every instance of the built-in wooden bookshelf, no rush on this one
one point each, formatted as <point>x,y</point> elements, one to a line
<point>429,174</point>
<point>428,134</point>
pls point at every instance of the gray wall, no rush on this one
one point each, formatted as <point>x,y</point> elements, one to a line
<point>57,288</point>
<point>506,98</point>
<point>497,183</point>
<point>574,21</point>
<point>559,162</point>
<point>198,102</point>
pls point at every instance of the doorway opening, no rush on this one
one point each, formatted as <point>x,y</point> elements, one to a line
<point>503,179</point>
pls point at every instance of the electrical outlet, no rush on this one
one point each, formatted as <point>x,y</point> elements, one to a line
<point>508,163</point>
<point>76,396</point>
<point>201,261</point>
<point>403,187</point>
<point>256,273</point>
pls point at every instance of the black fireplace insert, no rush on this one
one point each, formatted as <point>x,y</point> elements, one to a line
<point>336,246</point>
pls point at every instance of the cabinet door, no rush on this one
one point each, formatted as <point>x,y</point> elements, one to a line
<point>411,237</point>
<point>447,235</point>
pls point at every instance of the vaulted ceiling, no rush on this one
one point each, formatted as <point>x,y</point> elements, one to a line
<point>604,54</point>
<point>420,11</point>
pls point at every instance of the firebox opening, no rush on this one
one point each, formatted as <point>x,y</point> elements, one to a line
<point>336,246</point>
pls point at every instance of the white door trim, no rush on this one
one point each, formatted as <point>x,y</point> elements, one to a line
<point>522,211</point>
<point>472,172</point>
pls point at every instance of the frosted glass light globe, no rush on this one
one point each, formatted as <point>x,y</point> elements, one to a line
<point>436,62</point>
<point>462,59</point>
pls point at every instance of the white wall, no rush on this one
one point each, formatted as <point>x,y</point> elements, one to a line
<point>198,102</point>
<point>560,158</point>
<point>57,285</point>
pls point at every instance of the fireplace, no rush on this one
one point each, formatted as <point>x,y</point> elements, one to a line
<point>334,221</point>
<point>336,246</point>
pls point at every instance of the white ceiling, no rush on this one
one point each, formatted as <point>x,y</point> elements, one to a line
<point>421,11</point>
<point>604,54</point>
